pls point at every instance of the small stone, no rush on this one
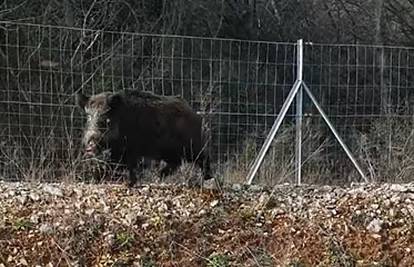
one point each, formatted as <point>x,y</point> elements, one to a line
<point>22,199</point>
<point>110,239</point>
<point>23,261</point>
<point>34,197</point>
<point>145,189</point>
<point>54,191</point>
<point>398,188</point>
<point>46,228</point>
<point>202,212</point>
<point>375,226</point>
<point>89,212</point>
<point>277,211</point>
<point>106,209</point>
<point>410,209</point>
<point>214,203</point>
<point>395,199</point>
<point>34,219</point>
<point>404,211</point>
<point>375,206</point>
<point>130,218</point>
<point>356,191</point>
<point>237,187</point>
<point>256,188</point>
<point>376,236</point>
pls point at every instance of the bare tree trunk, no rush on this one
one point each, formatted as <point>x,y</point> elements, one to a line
<point>385,91</point>
<point>69,16</point>
<point>379,11</point>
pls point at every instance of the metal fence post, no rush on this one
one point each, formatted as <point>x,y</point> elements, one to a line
<point>299,113</point>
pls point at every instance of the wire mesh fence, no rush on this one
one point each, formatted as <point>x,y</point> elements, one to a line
<point>237,86</point>
<point>367,91</point>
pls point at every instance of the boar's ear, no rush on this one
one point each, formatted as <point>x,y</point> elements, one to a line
<point>114,101</point>
<point>81,100</point>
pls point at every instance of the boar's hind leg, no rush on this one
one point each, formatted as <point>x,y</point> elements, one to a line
<point>170,168</point>
<point>204,164</point>
<point>132,168</point>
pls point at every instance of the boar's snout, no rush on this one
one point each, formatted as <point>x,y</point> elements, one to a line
<point>91,141</point>
<point>90,150</point>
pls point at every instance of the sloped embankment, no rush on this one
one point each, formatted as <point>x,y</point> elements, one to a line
<point>166,225</point>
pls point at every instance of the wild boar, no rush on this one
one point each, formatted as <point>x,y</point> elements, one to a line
<point>135,124</point>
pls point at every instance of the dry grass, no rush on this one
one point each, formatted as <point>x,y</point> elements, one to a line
<point>385,152</point>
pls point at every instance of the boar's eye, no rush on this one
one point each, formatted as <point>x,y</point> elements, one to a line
<point>108,121</point>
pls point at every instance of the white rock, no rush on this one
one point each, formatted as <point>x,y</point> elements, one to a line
<point>202,212</point>
<point>110,239</point>
<point>398,188</point>
<point>34,219</point>
<point>375,206</point>
<point>53,190</point>
<point>46,228</point>
<point>376,236</point>
<point>395,199</point>
<point>256,188</point>
<point>23,262</point>
<point>236,187</point>
<point>22,199</point>
<point>34,197</point>
<point>410,209</point>
<point>214,203</point>
<point>130,217</point>
<point>11,193</point>
<point>277,211</point>
<point>89,212</point>
<point>375,226</point>
<point>356,191</point>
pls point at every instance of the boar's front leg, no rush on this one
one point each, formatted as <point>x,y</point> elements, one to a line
<point>132,167</point>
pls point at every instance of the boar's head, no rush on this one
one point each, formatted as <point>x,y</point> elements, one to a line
<point>102,126</point>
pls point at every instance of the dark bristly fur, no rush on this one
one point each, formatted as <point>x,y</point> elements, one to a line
<point>134,124</point>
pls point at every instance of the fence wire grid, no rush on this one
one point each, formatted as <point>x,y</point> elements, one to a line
<point>238,87</point>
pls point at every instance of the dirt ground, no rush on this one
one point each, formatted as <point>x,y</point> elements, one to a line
<point>171,225</point>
